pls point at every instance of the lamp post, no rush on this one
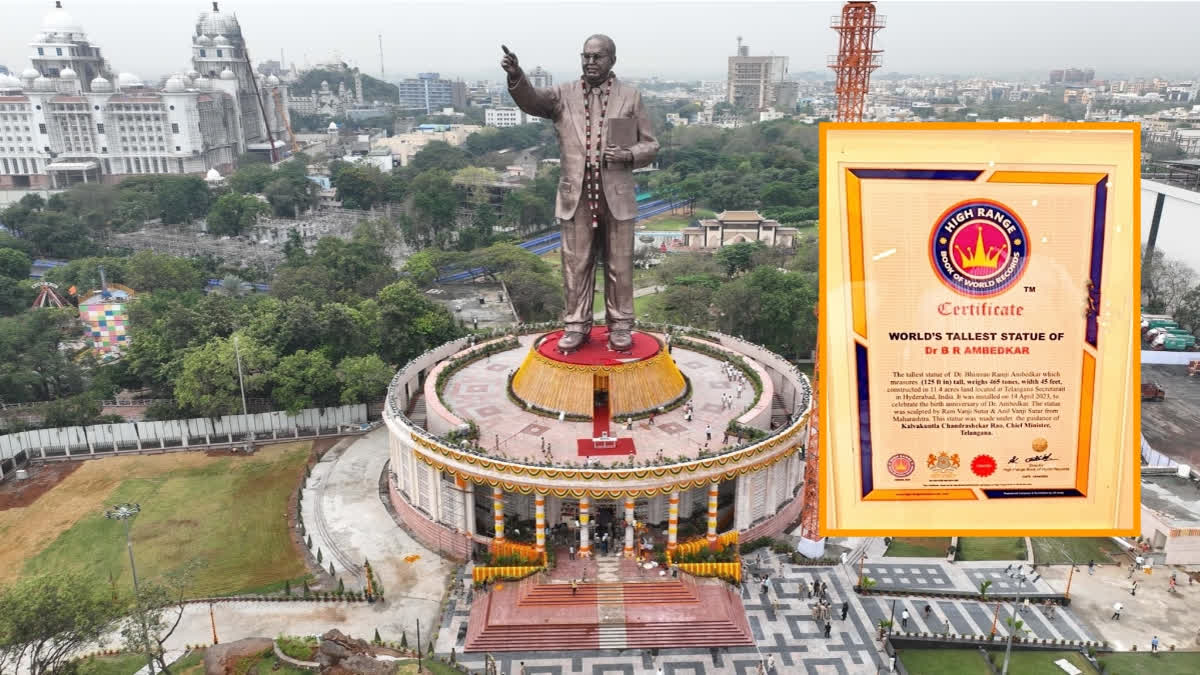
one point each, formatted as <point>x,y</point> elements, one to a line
<point>241,385</point>
<point>1020,577</point>
<point>126,513</point>
<point>860,570</point>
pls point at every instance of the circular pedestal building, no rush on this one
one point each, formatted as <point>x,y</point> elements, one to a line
<point>693,435</point>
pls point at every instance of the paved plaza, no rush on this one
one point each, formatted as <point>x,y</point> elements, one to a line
<point>479,392</point>
<point>935,575</point>
<point>785,629</point>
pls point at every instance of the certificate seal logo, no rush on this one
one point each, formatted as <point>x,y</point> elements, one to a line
<point>901,465</point>
<point>983,465</point>
<point>942,464</point>
<point>979,248</point>
<point>1040,445</point>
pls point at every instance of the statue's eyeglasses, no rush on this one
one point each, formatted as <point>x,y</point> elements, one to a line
<point>593,57</point>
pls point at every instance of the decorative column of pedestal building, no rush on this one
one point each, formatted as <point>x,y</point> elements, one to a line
<point>461,486</point>
<point>585,544</point>
<point>673,519</point>
<point>628,527</point>
<point>498,508</point>
<point>712,513</point>
<point>539,503</point>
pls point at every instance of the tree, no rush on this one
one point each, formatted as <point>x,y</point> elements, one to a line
<point>419,268</point>
<point>1165,281</point>
<point>234,213</point>
<point>148,272</point>
<point>436,203</point>
<point>250,179</point>
<point>35,367</point>
<point>737,257</point>
<point>46,621</point>
<point>208,381</point>
<point>361,186</point>
<point>983,588</point>
<point>14,264</point>
<point>16,295</point>
<point>304,380</point>
<point>410,323</point>
<point>1187,313</point>
<point>438,155</point>
<point>364,378</point>
<point>158,610</point>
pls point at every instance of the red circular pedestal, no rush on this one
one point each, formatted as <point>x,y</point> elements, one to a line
<point>595,351</point>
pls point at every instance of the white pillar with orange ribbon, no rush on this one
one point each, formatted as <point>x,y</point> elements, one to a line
<point>672,519</point>
<point>585,544</point>
<point>539,503</point>
<point>498,509</point>
<point>628,527</point>
<point>712,513</point>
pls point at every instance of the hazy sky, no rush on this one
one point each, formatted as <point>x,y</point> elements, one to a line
<point>670,39</point>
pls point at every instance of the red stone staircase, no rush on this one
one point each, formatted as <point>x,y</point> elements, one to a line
<point>532,615</point>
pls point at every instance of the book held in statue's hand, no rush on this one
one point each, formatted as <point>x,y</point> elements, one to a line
<point>622,131</point>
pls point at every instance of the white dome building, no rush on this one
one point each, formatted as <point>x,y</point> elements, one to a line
<point>175,85</point>
<point>60,22</point>
<point>101,85</point>
<point>217,22</point>
<point>30,74</point>
<point>68,74</point>
<point>221,41</point>
<point>43,83</point>
<point>129,81</point>
<point>273,81</point>
<point>227,74</point>
<point>202,83</point>
<point>8,82</point>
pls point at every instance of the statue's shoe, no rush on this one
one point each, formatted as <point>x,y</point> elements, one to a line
<point>620,340</point>
<point>571,340</point>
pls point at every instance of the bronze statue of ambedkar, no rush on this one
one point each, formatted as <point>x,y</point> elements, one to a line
<point>597,203</point>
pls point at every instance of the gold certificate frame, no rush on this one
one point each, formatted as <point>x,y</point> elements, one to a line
<point>979,348</point>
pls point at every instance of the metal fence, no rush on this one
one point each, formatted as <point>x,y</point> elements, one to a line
<point>100,440</point>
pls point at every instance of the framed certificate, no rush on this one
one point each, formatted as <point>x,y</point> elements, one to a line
<point>979,345</point>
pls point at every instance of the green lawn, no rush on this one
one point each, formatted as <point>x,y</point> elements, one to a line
<point>640,304</point>
<point>191,664</point>
<point>227,512</point>
<point>671,222</point>
<point>918,547</point>
<point>991,548</point>
<point>1074,549</point>
<point>970,662</point>
<point>1142,663</point>
<point>120,664</point>
<point>942,662</point>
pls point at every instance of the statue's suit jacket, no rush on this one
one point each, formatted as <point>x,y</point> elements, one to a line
<point>565,104</point>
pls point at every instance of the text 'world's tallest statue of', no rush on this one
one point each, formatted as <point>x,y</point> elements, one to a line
<point>604,134</point>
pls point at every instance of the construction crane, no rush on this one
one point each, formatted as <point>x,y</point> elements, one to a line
<point>287,123</point>
<point>856,57</point>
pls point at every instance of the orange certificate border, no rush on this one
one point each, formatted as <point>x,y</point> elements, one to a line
<point>854,242</point>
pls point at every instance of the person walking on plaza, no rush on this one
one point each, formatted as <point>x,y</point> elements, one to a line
<point>1133,588</point>
<point>707,433</point>
<point>574,587</point>
<point>1154,644</point>
<point>571,551</point>
<point>828,628</point>
<point>928,609</point>
<point>904,620</point>
<point>1091,567</point>
<point>845,610</point>
<point>1117,607</point>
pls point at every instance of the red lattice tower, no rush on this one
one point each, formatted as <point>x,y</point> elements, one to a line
<point>809,510</point>
<point>856,57</point>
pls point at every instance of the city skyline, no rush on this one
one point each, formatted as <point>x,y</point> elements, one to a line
<point>920,37</point>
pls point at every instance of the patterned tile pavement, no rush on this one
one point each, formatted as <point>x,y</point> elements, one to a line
<point>785,630</point>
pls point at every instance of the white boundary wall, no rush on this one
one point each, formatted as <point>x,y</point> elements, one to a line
<point>132,437</point>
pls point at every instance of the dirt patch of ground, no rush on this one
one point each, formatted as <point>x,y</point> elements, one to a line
<point>18,493</point>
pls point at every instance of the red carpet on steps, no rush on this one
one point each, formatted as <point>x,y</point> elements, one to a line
<point>588,449</point>
<point>529,616</point>
<point>599,421</point>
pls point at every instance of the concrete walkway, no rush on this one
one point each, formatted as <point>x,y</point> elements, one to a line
<point>347,520</point>
<point>1152,611</point>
